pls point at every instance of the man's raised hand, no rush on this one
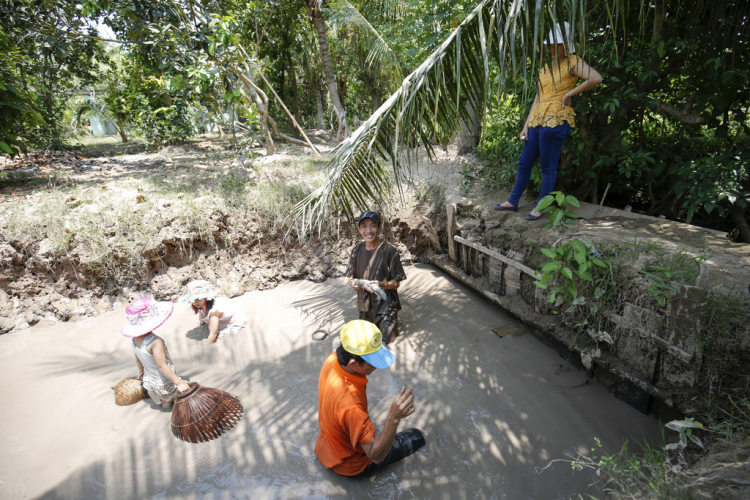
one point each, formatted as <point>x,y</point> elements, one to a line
<point>403,404</point>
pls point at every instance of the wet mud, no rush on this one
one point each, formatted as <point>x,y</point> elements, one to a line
<point>494,409</point>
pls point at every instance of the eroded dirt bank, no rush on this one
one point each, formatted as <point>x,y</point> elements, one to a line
<point>97,232</point>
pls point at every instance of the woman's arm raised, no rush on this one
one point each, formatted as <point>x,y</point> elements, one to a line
<point>590,75</point>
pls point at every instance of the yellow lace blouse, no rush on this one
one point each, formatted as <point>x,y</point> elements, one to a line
<point>548,111</point>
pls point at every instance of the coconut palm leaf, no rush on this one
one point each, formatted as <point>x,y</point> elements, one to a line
<point>343,13</point>
<point>432,99</point>
<point>436,99</point>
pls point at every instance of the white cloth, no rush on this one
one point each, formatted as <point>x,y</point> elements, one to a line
<point>233,319</point>
<point>159,387</point>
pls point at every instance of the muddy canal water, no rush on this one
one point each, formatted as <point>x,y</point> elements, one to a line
<point>494,409</point>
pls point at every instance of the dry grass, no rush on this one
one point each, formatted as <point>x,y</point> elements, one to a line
<point>106,225</point>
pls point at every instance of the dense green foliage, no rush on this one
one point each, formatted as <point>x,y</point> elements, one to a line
<point>41,68</point>
<point>667,128</point>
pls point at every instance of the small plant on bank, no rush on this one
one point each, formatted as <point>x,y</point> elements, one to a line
<point>557,205</point>
<point>569,263</point>
<point>680,268</point>
<point>468,171</point>
<point>685,428</point>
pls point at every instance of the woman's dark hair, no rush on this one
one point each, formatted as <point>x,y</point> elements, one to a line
<point>209,305</point>
<point>344,356</point>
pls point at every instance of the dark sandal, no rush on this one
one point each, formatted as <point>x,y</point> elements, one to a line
<point>513,208</point>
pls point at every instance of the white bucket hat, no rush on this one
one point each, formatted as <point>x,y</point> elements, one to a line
<point>556,36</point>
<point>199,289</point>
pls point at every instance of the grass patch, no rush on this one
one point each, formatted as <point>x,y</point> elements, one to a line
<point>108,145</point>
<point>105,227</point>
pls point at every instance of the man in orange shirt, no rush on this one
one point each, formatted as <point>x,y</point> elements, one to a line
<point>347,442</point>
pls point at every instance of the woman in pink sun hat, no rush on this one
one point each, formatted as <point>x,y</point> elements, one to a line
<point>151,355</point>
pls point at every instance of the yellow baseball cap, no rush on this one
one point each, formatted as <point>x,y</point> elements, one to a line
<point>365,340</point>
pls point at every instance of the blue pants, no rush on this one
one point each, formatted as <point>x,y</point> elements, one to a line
<point>404,444</point>
<point>544,143</point>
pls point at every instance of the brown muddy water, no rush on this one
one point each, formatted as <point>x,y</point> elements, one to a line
<point>495,409</point>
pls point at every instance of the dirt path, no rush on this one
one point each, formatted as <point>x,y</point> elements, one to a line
<point>494,409</point>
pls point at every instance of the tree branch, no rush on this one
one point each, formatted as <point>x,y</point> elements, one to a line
<point>682,116</point>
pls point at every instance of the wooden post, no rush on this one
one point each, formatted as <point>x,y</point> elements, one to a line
<point>452,231</point>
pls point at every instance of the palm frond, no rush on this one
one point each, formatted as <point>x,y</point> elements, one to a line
<point>434,98</point>
<point>343,13</point>
<point>391,9</point>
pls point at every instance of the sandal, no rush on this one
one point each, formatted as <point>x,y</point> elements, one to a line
<point>513,208</point>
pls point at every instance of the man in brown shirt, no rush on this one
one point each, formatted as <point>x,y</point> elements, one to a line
<point>378,262</point>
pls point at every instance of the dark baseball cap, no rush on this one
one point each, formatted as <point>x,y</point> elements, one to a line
<point>369,215</point>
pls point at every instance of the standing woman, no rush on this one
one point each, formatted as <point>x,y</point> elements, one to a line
<point>551,117</point>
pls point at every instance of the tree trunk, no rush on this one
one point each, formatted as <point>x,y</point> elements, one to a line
<point>261,100</point>
<point>738,217</point>
<point>295,96</point>
<point>121,129</point>
<point>325,54</point>
<point>469,132</point>
<point>660,12</point>
<point>318,104</point>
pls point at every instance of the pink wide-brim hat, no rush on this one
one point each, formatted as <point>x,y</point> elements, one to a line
<point>145,315</point>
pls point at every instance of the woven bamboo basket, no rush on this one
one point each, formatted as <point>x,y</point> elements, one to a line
<point>201,413</point>
<point>129,391</point>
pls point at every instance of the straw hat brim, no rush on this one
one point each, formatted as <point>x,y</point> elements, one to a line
<point>164,311</point>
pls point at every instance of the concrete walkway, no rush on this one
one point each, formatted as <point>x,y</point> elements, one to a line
<point>494,409</point>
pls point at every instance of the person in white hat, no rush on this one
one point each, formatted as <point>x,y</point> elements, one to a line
<point>151,355</point>
<point>348,442</point>
<point>551,117</point>
<point>221,316</point>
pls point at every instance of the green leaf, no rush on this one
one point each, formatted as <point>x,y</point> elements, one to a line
<point>680,186</point>
<point>567,272</point>
<point>580,258</point>
<point>550,267</point>
<point>585,275</point>
<point>597,262</point>
<point>578,245</point>
<point>6,148</point>
<point>549,252</point>
<point>571,200</point>
<point>544,203</point>
<point>559,198</point>
<point>572,289</point>
<point>541,285</point>
<point>708,206</point>
<point>557,217</point>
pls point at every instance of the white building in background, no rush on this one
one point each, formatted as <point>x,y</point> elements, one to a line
<point>99,128</point>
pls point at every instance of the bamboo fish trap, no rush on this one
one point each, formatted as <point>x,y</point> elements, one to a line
<point>129,391</point>
<point>201,413</point>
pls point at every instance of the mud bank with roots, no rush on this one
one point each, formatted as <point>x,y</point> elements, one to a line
<point>37,286</point>
<point>81,236</point>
